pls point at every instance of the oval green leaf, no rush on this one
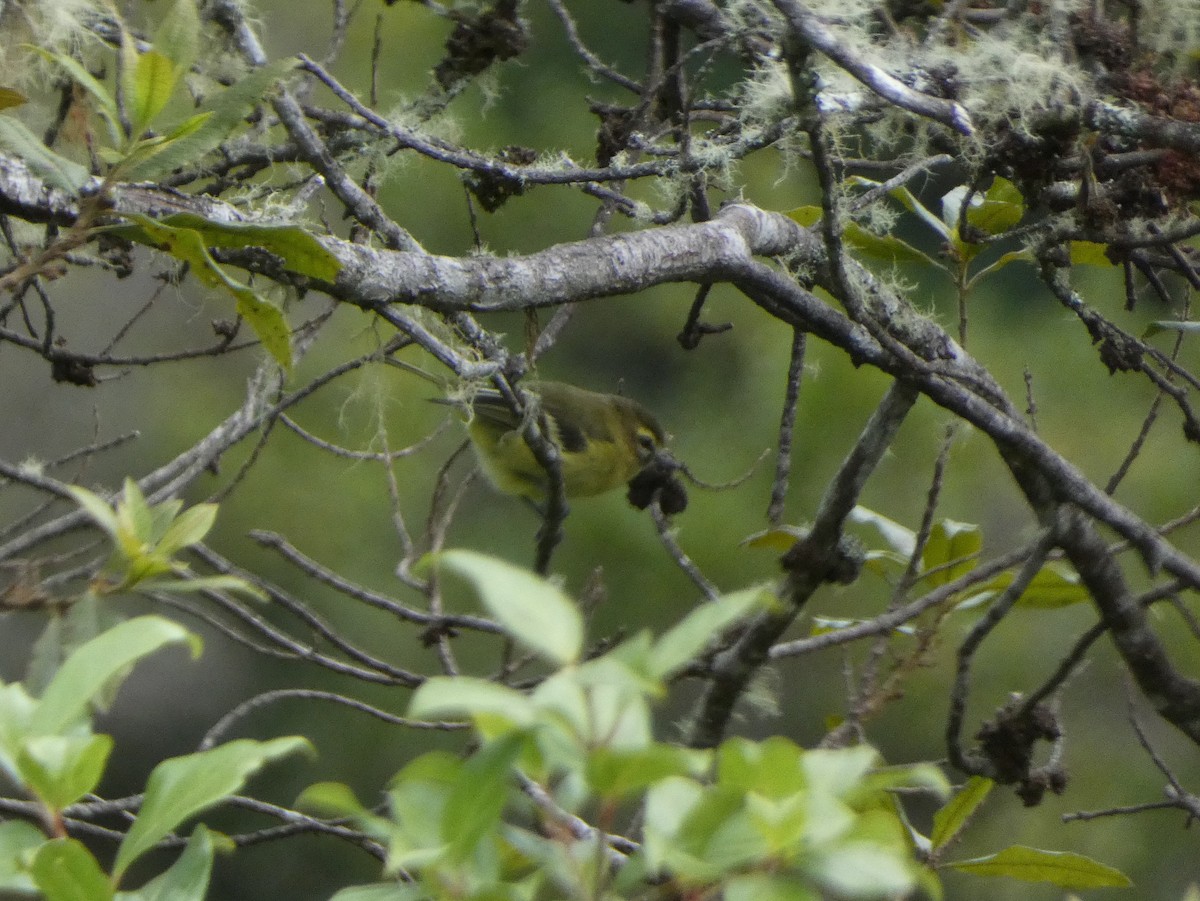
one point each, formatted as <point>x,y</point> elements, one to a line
<point>534,611</point>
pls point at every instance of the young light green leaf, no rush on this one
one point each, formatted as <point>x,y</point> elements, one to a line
<point>187,879</point>
<point>184,786</point>
<point>534,611</point>
<point>187,529</point>
<point>58,170</point>
<point>478,798</point>
<point>446,697</point>
<point>680,644</point>
<point>864,870</point>
<point>331,799</point>
<point>185,584</point>
<point>154,80</point>
<point>98,509</point>
<point>952,551</point>
<point>767,887</point>
<point>64,870</point>
<point>18,840</point>
<point>93,667</point>
<point>62,769</point>
<point>1061,868</point>
<point>228,108</point>
<point>614,773</point>
<point>949,821</point>
<point>135,516</point>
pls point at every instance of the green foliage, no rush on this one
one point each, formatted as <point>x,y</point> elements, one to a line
<point>987,215</point>
<point>146,540</point>
<point>188,245</point>
<point>950,820</point>
<point>531,812</point>
<point>511,820</point>
<point>48,749</point>
<point>150,80</point>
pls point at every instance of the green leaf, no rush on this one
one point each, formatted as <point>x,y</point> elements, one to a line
<point>949,821</point>
<point>899,538</point>
<point>884,247</point>
<point>185,584</point>
<point>18,840</point>
<point>1088,253</point>
<point>187,879</point>
<point>839,771</point>
<point>331,799</point>
<point>780,539</point>
<point>1001,209</point>
<point>767,887</point>
<point>953,550</point>
<point>183,786</point>
<point>1061,868</point>
<point>300,251</point>
<point>864,870</point>
<point>1055,585</point>
<point>531,609</point>
<point>906,198</point>
<point>96,665</point>
<point>680,644</point>
<point>888,248</point>
<point>98,509</point>
<point>136,519</point>
<point>58,170</point>
<point>62,769</point>
<point>770,768</point>
<point>479,796</point>
<point>463,696</point>
<point>186,244</point>
<point>614,774</point>
<point>178,37</point>
<point>927,777</point>
<point>228,109</point>
<point>187,529</point>
<point>154,80</point>
<point>1013,256</point>
<point>805,216</point>
<point>63,870</point>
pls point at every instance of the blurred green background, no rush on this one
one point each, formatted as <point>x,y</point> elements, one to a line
<point>722,404</point>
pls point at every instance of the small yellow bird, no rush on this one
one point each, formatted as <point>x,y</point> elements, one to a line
<point>604,440</point>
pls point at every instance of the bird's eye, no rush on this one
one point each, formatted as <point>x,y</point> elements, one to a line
<point>647,443</point>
